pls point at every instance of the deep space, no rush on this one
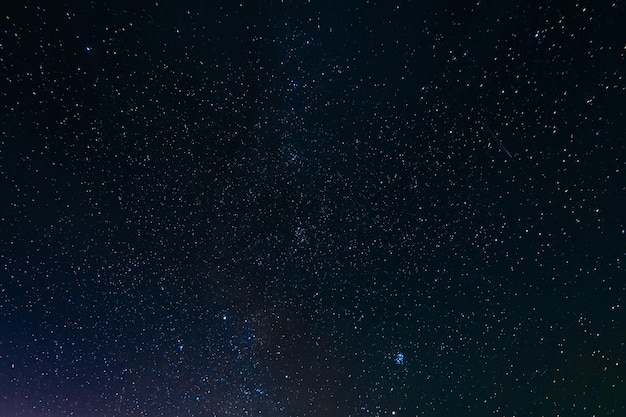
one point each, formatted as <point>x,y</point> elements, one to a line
<point>349,208</point>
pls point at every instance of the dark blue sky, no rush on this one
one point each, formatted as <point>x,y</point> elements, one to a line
<point>312,209</point>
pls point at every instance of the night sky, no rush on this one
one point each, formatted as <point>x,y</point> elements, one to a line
<point>312,208</point>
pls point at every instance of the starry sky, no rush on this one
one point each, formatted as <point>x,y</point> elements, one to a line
<point>312,208</point>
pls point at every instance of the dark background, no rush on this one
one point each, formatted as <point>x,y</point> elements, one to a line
<point>342,208</point>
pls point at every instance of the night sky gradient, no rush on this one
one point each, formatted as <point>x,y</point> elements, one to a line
<point>325,208</point>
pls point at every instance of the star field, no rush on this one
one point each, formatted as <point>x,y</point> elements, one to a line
<point>281,208</point>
